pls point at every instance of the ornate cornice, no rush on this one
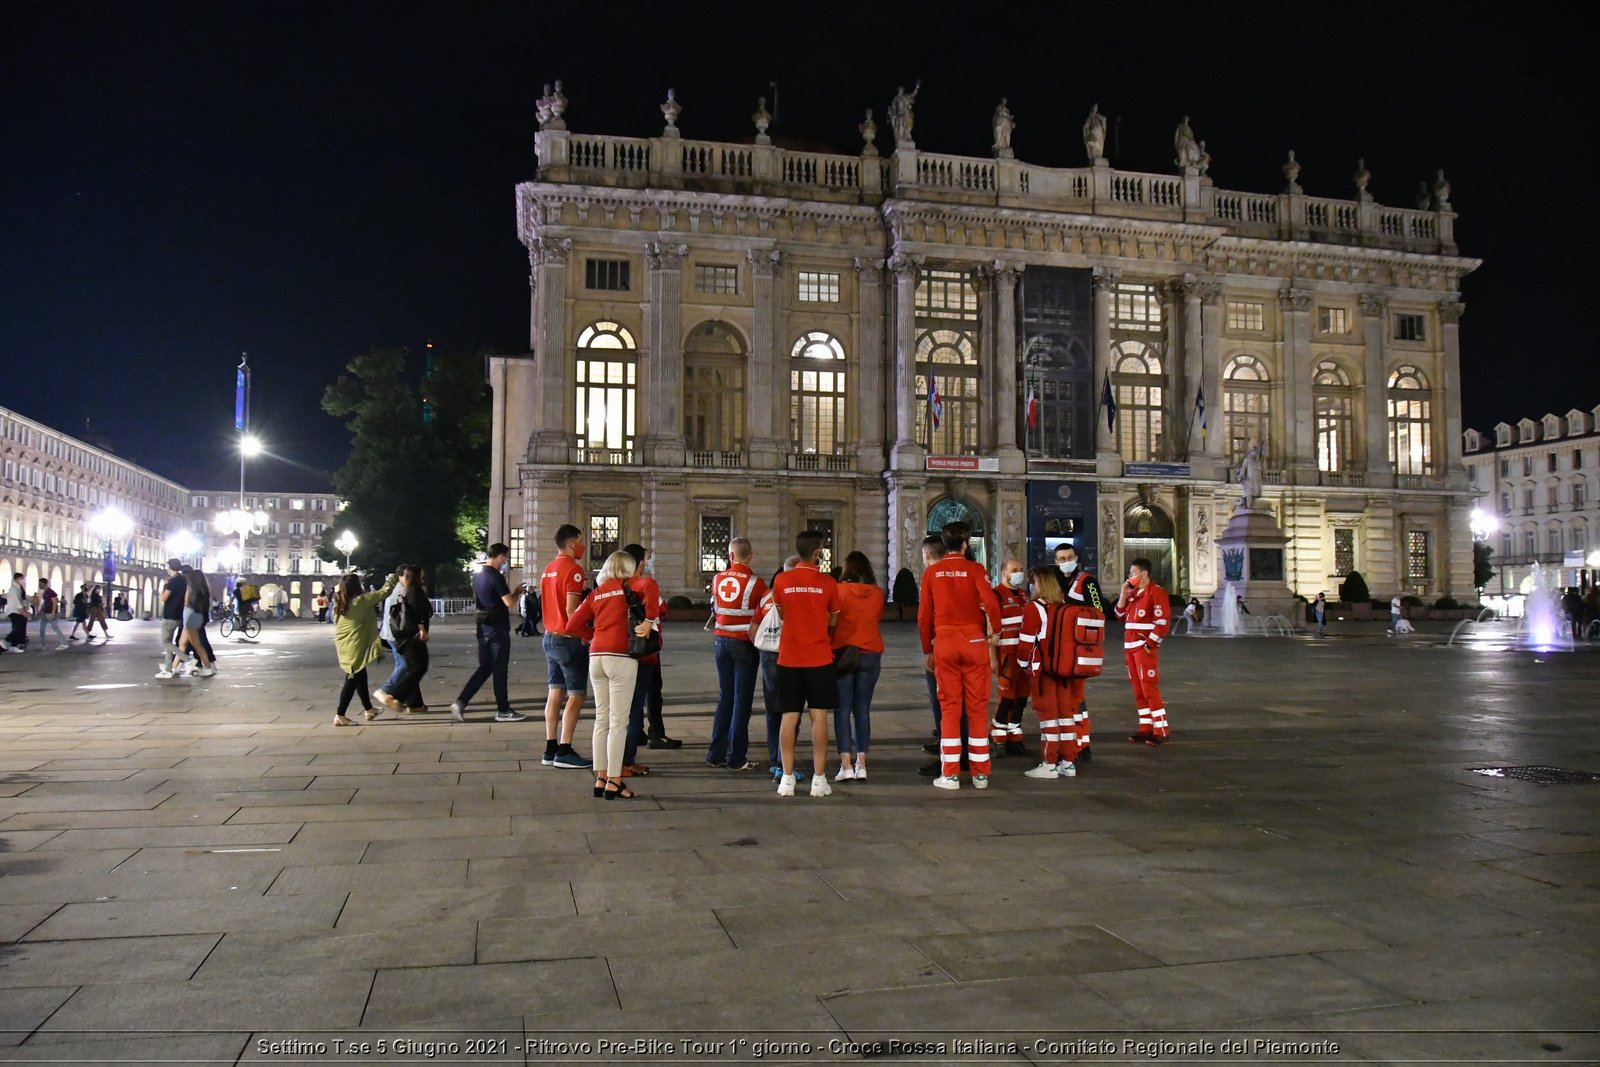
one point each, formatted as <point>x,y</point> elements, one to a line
<point>548,251</point>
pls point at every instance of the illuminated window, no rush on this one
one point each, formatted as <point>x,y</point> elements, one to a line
<point>1247,315</point>
<point>1137,307</point>
<point>818,287</point>
<point>713,389</point>
<point>823,528</point>
<point>714,278</point>
<point>1419,564</point>
<point>605,537</point>
<point>1410,422</point>
<point>1140,386</point>
<point>1579,495</point>
<point>715,533</point>
<point>1344,550</point>
<point>817,394</point>
<point>518,539</point>
<point>1410,328</point>
<point>1334,401</point>
<point>1550,497</point>
<point>947,362</point>
<point>607,393</point>
<point>611,274</point>
<point>1333,320</point>
<point>1247,405</point>
<point>297,504</point>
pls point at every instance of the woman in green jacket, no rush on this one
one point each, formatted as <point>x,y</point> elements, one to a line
<point>355,636</point>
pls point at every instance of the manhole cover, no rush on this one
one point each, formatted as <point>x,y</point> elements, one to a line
<point>1539,775</point>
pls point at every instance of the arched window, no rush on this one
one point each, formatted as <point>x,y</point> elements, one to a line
<point>607,385</point>
<point>952,510</point>
<point>1554,540</point>
<point>947,361</point>
<point>1137,377</point>
<point>713,389</point>
<point>1580,536</point>
<point>1057,417</point>
<point>1246,405</point>
<point>816,394</point>
<point>1333,398</point>
<point>1410,422</point>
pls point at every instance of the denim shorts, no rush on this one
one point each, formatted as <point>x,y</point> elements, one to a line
<point>192,619</point>
<point>569,663</point>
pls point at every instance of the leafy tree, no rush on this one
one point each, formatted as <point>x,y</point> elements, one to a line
<point>1354,589</point>
<point>416,482</point>
<point>1482,564</point>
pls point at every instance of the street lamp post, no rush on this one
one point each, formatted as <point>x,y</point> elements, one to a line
<point>347,544</point>
<point>184,545</point>
<point>110,525</point>
<point>242,522</point>
<point>1483,527</point>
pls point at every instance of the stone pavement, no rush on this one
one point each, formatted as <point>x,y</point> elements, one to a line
<point>208,870</point>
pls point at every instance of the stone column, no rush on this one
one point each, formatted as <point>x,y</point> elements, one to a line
<point>1298,453</point>
<point>869,366</point>
<point>1375,390</point>
<point>1210,462</point>
<point>983,285</point>
<point>1192,370</point>
<point>1011,521</point>
<point>1109,463</point>
<point>909,455</point>
<point>1447,455</point>
<point>763,525</point>
<point>1179,405</point>
<point>764,446</point>
<point>907,519</point>
<point>548,337</point>
<point>663,443</point>
<point>870,529</point>
<point>1006,355</point>
<point>664,504</point>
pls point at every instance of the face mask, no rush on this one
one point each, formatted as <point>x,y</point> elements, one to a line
<point>506,566</point>
<point>1016,579</point>
<point>650,568</point>
<point>1068,566</point>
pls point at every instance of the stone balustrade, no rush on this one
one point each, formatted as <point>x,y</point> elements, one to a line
<point>908,173</point>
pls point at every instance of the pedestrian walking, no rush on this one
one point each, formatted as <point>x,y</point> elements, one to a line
<point>958,617</point>
<point>529,608</point>
<point>409,617</point>
<point>1319,612</point>
<point>97,612</point>
<point>493,599</point>
<point>50,614</point>
<point>80,613</point>
<point>736,596</point>
<point>1147,616</point>
<point>196,607</point>
<point>561,590</point>
<point>858,661</point>
<point>612,670</point>
<point>18,611</point>
<point>174,591</point>
<point>807,602</point>
<point>355,639</point>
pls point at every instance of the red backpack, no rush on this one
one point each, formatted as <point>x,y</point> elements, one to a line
<point>1074,643</point>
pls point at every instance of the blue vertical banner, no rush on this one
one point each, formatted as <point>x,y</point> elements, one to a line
<point>241,397</point>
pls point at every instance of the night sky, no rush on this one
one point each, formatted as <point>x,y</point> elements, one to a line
<point>305,181</point>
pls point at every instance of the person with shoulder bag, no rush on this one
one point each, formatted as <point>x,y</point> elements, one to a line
<point>857,662</point>
<point>409,616</point>
<point>1061,645</point>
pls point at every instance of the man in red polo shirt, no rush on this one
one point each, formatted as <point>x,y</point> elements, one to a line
<point>807,602</point>
<point>561,590</point>
<point>956,605</point>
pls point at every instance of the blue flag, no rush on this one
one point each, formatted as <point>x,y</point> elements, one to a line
<point>1110,403</point>
<point>241,398</point>
<point>1200,408</point>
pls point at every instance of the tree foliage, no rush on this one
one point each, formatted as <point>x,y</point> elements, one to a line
<point>1354,589</point>
<point>416,484</point>
<point>1482,565</point>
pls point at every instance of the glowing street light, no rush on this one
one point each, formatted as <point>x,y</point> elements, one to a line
<point>347,544</point>
<point>112,527</point>
<point>250,446</point>
<point>183,544</point>
<point>1594,560</point>
<point>1483,524</point>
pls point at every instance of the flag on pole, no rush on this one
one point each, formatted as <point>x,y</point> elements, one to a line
<point>1110,404</point>
<point>1033,408</point>
<point>241,397</point>
<point>935,402</point>
<point>1200,410</point>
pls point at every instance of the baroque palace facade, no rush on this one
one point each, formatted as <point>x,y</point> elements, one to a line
<point>740,339</point>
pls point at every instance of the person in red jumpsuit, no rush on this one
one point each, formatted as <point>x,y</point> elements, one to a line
<point>1012,679</point>
<point>957,606</point>
<point>1147,616</point>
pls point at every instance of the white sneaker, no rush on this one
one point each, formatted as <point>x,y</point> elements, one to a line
<point>820,786</point>
<point>62,648</point>
<point>164,673</point>
<point>846,774</point>
<point>205,672</point>
<point>456,711</point>
<point>1066,769</point>
<point>786,786</point>
<point>980,781</point>
<point>861,771</point>
<point>946,782</point>
<point>1044,770</point>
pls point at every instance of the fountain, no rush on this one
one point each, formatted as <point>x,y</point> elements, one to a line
<point>1227,609</point>
<point>1542,617</point>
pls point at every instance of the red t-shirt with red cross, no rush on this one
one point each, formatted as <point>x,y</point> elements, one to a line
<point>564,575</point>
<point>806,597</point>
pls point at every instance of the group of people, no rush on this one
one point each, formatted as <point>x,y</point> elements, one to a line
<point>185,608</point>
<point>44,604</point>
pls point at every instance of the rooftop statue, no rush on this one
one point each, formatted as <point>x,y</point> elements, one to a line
<point>1094,134</point>
<point>1184,144</point>
<point>1004,123</point>
<point>1361,177</point>
<point>869,135</point>
<point>671,110</point>
<point>762,118</point>
<point>901,116</point>
<point>1291,171</point>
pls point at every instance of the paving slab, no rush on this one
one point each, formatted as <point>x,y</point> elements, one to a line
<point>113,959</point>
<point>1205,936</point>
<point>23,1010</point>
<point>330,999</point>
<point>146,918</point>
<point>311,951</point>
<point>488,991</point>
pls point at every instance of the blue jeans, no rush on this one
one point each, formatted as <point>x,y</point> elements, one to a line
<point>494,660</point>
<point>933,700</point>
<point>643,682</point>
<point>769,696</point>
<point>855,705</point>
<point>399,665</point>
<point>736,677</point>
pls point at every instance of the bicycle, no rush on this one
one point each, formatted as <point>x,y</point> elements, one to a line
<point>248,625</point>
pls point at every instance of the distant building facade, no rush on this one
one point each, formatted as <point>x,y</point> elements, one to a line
<point>734,339</point>
<point>1538,480</point>
<point>53,484</point>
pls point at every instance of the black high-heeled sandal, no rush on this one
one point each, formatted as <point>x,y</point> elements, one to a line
<point>621,792</point>
<point>600,786</point>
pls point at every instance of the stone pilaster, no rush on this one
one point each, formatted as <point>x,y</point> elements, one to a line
<point>546,504</point>
<point>907,519</point>
<point>1374,389</point>
<point>664,513</point>
<point>1203,528</point>
<point>664,443</point>
<point>1298,453</point>
<point>870,529</point>
<point>1006,357</point>
<point>762,524</point>
<point>1208,456</point>
<point>1179,398</point>
<point>552,436</point>
<point>1011,526</point>
<point>1110,540</point>
<point>1109,463</point>
<point>1448,451</point>
<point>909,455</point>
<point>765,445</point>
<point>869,363</point>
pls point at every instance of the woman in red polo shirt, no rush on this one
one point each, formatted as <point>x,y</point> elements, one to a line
<point>860,612</point>
<point>612,672</point>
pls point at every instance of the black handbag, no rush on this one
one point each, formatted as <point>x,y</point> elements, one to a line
<point>639,647</point>
<point>846,660</point>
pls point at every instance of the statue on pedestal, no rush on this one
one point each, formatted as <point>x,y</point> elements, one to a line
<point>1094,134</point>
<point>671,110</point>
<point>1424,197</point>
<point>762,118</point>
<point>1004,122</point>
<point>1203,163</point>
<point>869,135</point>
<point>901,116</point>
<point>1248,473</point>
<point>1184,144</point>
<point>542,107</point>
<point>1441,192</point>
<point>1291,171</point>
<point>550,108</point>
<point>1361,177</point>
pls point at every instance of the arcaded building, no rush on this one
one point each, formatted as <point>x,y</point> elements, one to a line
<point>742,339</point>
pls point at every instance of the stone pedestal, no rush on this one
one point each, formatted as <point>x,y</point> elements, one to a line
<point>1252,565</point>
